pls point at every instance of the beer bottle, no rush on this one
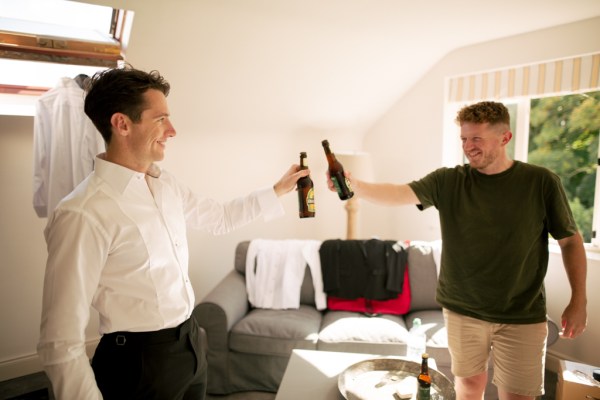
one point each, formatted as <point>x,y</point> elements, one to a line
<point>336,173</point>
<point>306,193</point>
<point>424,380</point>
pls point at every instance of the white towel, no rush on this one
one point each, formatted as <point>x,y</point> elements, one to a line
<point>275,271</point>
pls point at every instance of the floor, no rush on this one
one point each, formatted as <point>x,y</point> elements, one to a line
<point>35,387</point>
<point>29,387</point>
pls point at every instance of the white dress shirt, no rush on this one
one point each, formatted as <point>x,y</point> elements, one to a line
<point>65,143</point>
<point>118,242</point>
<point>275,272</point>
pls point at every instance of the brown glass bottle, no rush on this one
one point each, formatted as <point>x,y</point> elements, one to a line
<point>424,380</point>
<point>336,172</point>
<point>306,192</point>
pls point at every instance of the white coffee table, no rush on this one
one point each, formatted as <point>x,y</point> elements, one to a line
<point>313,375</point>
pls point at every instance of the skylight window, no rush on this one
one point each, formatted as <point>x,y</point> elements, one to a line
<point>42,41</point>
<point>61,18</point>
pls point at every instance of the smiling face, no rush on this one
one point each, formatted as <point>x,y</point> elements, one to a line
<point>136,145</point>
<point>149,135</point>
<point>484,146</point>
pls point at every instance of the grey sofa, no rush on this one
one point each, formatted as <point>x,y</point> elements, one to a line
<point>248,349</point>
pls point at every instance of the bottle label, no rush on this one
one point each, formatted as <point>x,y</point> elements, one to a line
<point>310,200</point>
<point>423,393</point>
<point>337,185</point>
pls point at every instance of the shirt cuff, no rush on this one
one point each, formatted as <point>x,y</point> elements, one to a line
<point>269,203</point>
<point>73,379</point>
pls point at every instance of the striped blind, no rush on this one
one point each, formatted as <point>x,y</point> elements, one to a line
<point>567,75</point>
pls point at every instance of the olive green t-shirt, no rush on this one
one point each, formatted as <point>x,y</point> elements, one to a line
<point>495,238</point>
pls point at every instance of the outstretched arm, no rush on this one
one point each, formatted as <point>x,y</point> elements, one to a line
<point>388,194</point>
<point>574,318</point>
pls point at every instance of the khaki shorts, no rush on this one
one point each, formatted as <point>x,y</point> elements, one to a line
<point>518,350</point>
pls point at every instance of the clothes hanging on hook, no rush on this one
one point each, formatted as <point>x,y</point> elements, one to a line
<point>65,144</point>
<point>81,80</point>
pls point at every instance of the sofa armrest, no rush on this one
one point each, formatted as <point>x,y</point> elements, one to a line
<point>222,308</point>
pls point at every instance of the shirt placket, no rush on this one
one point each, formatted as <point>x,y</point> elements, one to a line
<point>176,236</point>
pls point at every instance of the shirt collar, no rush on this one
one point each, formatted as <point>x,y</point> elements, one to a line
<point>118,176</point>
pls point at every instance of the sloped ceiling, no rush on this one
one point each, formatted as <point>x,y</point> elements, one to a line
<point>331,65</point>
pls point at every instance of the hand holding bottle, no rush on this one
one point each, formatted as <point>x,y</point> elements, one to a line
<point>306,193</point>
<point>289,179</point>
<point>348,175</point>
<point>336,174</point>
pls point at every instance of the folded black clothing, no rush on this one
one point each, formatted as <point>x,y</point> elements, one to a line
<point>373,269</point>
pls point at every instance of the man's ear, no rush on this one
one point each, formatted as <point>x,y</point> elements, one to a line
<point>507,137</point>
<point>120,123</point>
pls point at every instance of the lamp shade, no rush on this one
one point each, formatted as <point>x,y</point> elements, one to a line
<point>358,163</point>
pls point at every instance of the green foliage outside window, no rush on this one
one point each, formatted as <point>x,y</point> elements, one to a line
<point>563,137</point>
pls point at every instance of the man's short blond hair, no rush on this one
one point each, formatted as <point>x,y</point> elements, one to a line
<point>490,112</point>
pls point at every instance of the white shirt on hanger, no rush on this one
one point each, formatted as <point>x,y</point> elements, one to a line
<point>275,272</point>
<point>65,143</point>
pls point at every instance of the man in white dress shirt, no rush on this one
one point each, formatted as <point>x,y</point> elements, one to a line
<point>118,243</point>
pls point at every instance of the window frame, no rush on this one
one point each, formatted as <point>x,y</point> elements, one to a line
<point>67,49</point>
<point>45,51</point>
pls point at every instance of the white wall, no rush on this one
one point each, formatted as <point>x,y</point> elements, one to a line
<point>224,158</point>
<point>408,143</point>
<point>22,247</point>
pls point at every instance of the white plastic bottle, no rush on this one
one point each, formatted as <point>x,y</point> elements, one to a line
<point>417,341</point>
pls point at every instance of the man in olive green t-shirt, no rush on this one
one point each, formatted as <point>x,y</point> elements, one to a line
<point>495,216</point>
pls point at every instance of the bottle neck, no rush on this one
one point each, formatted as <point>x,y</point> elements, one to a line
<point>303,163</point>
<point>330,156</point>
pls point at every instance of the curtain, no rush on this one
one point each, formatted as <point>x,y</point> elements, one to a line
<point>566,75</point>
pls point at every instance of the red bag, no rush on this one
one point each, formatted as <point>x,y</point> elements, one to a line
<point>399,306</point>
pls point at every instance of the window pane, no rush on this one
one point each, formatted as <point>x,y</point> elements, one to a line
<point>510,147</point>
<point>42,41</point>
<point>57,16</point>
<point>563,137</point>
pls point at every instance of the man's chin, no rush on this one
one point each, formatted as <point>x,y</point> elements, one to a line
<point>474,162</point>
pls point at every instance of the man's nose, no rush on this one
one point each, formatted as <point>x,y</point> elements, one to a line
<point>171,130</point>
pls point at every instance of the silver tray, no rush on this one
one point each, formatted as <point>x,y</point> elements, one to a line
<point>385,378</point>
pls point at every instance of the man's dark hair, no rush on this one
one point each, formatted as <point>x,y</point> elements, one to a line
<point>119,90</point>
<point>486,111</point>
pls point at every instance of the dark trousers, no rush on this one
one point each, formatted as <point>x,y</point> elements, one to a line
<point>169,364</point>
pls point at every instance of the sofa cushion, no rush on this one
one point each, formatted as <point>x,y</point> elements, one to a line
<point>356,332</point>
<point>276,332</point>
<point>240,257</point>
<point>422,272</point>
